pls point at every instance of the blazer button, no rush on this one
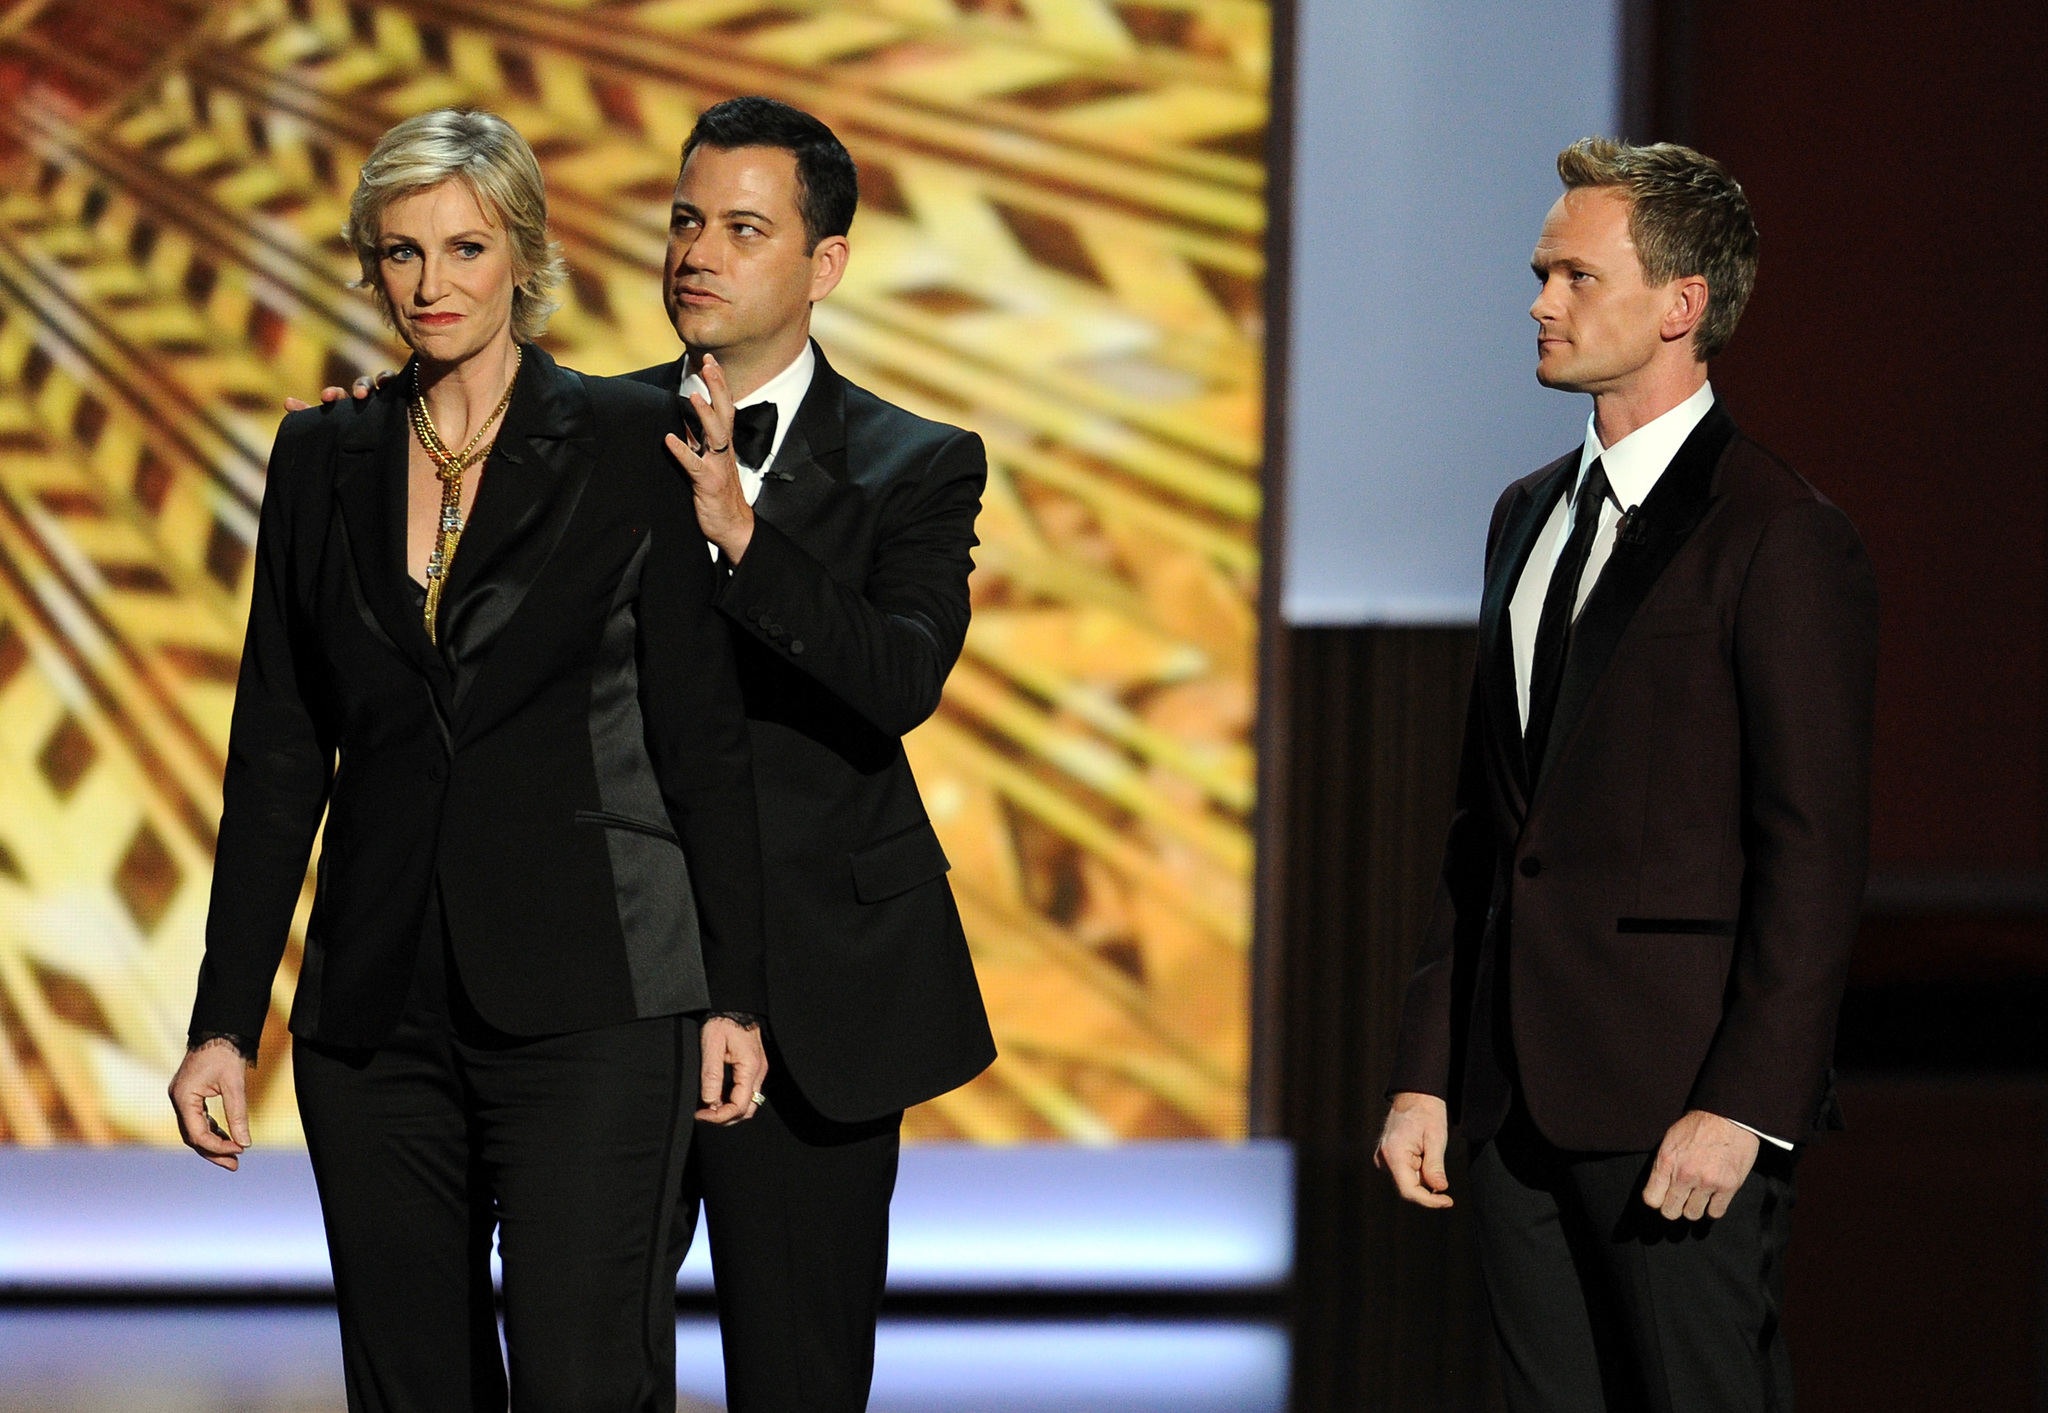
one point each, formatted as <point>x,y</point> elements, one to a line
<point>1531,866</point>
<point>437,772</point>
<point>796,645</point>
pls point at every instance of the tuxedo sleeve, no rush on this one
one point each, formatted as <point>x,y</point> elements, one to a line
<point>280,765</point>
<point>1805,655</point>
<point>884,649</point>
<point>696,727</point>
<point>1423,1052</point>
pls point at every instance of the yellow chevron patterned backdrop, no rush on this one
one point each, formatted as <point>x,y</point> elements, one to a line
<point>1059,245</point>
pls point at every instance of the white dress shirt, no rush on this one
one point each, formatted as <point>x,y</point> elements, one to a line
<point>786,390</point>
<point>1633,465</point>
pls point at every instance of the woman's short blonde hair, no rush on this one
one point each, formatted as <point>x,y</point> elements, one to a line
<point>486,154</point>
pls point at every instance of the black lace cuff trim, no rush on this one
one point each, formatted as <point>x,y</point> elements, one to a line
<point>746,1019</point>
<point>244,1045</point>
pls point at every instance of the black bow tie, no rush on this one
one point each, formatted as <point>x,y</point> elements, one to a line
<point>753,433</point>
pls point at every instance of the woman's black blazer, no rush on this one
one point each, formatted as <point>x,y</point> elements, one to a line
<point>571,763</point>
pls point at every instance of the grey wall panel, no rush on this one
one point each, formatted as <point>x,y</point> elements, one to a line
<point>1425,138</point>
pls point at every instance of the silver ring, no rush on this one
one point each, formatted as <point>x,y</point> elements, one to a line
<point>759,1097</point>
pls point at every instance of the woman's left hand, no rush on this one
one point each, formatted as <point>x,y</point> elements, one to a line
<point>728,1043</point>
<point>722,510</point>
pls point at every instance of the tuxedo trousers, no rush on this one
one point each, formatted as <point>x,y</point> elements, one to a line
<point>1600,1305</point>
<point>797,1209</point>
<point>571,1148</point>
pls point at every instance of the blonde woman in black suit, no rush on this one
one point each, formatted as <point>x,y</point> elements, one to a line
<point>482,643</point>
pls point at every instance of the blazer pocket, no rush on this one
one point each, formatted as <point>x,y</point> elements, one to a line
<point>898,864</point>
<point>1678,926</point>
<point>605,819</point>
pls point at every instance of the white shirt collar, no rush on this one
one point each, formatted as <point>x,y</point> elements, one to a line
<point>1635,463</point>
<point>786,390</point>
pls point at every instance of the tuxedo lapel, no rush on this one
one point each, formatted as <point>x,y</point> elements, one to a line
<point>1496,626</point>
<point>1653,537</point>
<point>532,484</point>
<point>370,484</point>
<point>812,458</point>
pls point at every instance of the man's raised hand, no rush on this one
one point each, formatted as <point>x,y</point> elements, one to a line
<point>714,468</point>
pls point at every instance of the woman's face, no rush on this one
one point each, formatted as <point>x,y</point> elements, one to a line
<point>446,266</point>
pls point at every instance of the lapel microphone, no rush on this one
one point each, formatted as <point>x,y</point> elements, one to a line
<point>1631,530</point>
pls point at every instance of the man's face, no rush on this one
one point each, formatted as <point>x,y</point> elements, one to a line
<point>740,272</point>
<point>1599,321</point>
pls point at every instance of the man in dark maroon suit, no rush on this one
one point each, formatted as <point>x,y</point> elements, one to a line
<point>1627,996</point>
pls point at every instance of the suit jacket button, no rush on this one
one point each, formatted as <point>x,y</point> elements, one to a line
<point>796,645</point>
<point>1531,866</point>
<point>437,772</point>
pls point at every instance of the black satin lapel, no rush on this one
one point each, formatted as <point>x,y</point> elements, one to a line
<point>796,484</point>
<point>1665,521</point>
<point>531,487</point>
<point>370,485</point>
<point>812,459</point>
<point>1496,625</point>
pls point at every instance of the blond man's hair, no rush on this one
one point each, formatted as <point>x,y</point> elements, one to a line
<point>487,155</point>
<point>1686,216</point>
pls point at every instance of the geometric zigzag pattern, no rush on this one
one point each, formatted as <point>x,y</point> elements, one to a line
<point>1059,245</point>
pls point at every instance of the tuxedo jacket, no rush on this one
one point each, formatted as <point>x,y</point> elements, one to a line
<point>1663,922</point>
<point>846,613</point>
<point>570,763</point>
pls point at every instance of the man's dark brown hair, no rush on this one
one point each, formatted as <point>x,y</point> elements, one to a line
<point>1687,216</point>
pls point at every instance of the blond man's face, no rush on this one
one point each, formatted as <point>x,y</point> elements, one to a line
<point>1599,321</point>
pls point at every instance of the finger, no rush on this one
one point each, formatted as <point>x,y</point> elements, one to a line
<point>362,387</point>
<point>716,385</point>
<point>201,1133</point>
<point>711,1073</point>
<point>1406,1166</point>
<point>1696,1203</point>
<point>1718,1208</point>
<point>723,1115</point>
<point>746,1085</point>
<point>1673,1205</point>
<point>293,404</point>
<point>1433,1175</point>
<point>713,427</point>
<point>385,376</point>
<point>686,456</point>
<point>1659,1185</point>
<point>235,1099</point>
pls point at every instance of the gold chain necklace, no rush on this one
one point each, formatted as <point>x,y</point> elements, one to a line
<point>449,466</point>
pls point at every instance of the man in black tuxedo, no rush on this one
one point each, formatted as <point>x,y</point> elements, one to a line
<point>844,527</point>
<point>1627,995</point>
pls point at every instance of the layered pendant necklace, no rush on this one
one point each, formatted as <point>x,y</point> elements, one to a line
<point>449,466</point>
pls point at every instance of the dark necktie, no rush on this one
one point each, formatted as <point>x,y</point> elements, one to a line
<point>753,433</point>
<point>1554,629</point>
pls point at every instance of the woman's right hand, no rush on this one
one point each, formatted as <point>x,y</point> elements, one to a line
<point>360,389</point>
<point>215,1070</point>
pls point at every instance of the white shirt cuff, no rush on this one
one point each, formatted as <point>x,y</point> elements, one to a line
<point>1761,1134</point>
